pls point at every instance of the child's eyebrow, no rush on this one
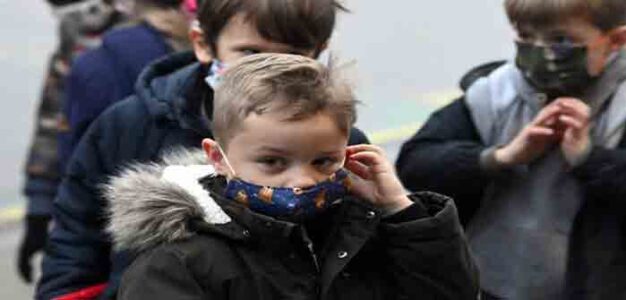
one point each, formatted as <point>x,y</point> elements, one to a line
<point>333,152</point>
<point>272,150</point>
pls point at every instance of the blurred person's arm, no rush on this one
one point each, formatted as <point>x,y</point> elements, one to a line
<point>42,169</point>
<point>444,156</point>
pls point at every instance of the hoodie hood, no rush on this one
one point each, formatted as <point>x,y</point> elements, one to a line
<point>150,204</point>
<point>173,89</point>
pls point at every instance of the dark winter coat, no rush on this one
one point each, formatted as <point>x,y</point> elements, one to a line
<point>164,113</point>
<point>104,76</point>
<point>226,251</point>
<point>444,157</point>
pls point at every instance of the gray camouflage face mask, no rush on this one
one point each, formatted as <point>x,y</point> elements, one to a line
<point>556,69</point>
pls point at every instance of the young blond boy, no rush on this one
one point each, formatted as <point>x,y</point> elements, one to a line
<point>285,210</point>
<point>537,150</point>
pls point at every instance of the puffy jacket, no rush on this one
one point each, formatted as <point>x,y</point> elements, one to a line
<point>203,246</point>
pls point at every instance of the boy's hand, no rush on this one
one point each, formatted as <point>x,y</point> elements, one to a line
<point>377,181</point>
<point>576,141</point>
<point>533,140</point>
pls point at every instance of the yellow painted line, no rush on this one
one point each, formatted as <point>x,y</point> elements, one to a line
<point>440,98</point>
<point>401,133</point>
<point>11,214</point>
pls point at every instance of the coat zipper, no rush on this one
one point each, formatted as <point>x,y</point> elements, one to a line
<point>309,246</point>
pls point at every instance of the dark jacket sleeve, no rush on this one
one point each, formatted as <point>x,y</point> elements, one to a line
<point>428,257</point>
<point>603,174</point>
<point>161,273</point>
<point>444,157</point>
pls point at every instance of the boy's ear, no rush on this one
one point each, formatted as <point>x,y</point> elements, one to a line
<point>200,47</point>
<point>618,38</point>
<point>214,155</point>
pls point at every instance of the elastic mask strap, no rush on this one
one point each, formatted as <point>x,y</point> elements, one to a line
<point>228,165</point>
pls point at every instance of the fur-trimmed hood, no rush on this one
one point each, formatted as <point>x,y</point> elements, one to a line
<point>151,203</point>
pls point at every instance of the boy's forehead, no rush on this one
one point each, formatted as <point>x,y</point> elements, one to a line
<point>573,27</point>
<point>317,132</point>
<point>241,31</point>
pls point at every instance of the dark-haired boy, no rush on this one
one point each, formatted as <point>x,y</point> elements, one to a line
<point>534,154</point>
<point>171,97</point>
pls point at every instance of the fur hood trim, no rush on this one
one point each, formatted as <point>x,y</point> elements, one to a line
<point>150,204</point>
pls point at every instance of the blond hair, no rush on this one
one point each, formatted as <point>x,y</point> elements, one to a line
<point>604,14</point>
<point>296,85</point>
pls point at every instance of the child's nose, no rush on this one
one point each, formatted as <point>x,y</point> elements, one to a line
<point>302,179</point>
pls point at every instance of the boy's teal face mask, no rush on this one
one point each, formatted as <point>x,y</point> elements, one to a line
<point>288,204</point>
<point>557,69</point>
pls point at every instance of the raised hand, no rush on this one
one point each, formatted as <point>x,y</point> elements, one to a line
<point>576,142</point>
<point>533,140</point>
<point>377,181</point>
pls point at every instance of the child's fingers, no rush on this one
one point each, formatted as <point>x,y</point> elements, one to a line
<point>359,169</point>
<point>538,131</point>
<point>351,150</point>
<point>370,159</point>
<point>572,122</point>
<point>573,103</point>
<point>546,114</point>
<point>582,114</point>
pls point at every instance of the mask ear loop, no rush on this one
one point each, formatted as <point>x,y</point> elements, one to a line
<point>228,165</point>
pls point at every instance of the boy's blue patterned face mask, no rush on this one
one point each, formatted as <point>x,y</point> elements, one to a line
<point>215,74</point>
<point>289,204</point>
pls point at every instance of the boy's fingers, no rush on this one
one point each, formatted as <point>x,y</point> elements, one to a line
<point>572,122</point>
<point>574,103</point>
<point>540,131</point>
<point>358,169</point>
<point>370,159</point>
<point>351,150</point>
<point>546,114</point>
<point>582,114</point>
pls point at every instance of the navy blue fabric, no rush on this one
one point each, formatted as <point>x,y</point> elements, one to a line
<point>104,76</point>
<point>162,115</point>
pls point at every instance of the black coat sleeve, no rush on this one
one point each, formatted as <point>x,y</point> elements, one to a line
<point>161,273</point>
<point>603,174</point>
<point>444,156</point>
<point>428,257</point>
